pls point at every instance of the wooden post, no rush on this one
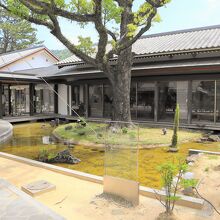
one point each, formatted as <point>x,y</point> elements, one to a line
<point>56,99</point>
<point>1,105</point>
<point>156,100</point>
<point>86,100</point>
<point>189,102</point>
<point>9,100</point>
<point>31,97</point>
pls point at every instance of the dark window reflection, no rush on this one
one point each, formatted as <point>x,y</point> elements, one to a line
<point>203,96</point>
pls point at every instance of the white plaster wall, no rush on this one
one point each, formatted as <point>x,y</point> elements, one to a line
<point>70,100</point>
<point>37,60</point>
<point>62,105</point>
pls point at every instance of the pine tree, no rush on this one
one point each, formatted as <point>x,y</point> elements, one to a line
<point>15,33</point>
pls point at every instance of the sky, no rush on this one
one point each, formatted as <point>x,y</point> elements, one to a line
<point>177,15</point>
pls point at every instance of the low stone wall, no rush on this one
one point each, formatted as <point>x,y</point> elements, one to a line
<point>6,131</point>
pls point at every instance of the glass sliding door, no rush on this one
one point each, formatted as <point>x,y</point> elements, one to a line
<point>166,100</point>
<point>6,100</point>
<point>145,100</point>
<point>203,101</point>
<point>108,99</point>
<point>20,100</point>
<point>44,99</point>
<point>182,99</point>
<point>96,101</point>
<point>78,100</point>
<point>133,100</point>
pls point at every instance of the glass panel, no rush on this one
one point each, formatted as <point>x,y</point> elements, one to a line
<point>121,151</point>
<point>20,100</point>
<point>203,97</point>
<point>145,103</point>
<point>5,100</point>
<point>133,101</point>
<point>182,99</point>
<point>78,100</point>
<point>108,101</point>
<point>44,99</point>
<point>217,101</point>
<point>167,100</point>
<point>95,101</point>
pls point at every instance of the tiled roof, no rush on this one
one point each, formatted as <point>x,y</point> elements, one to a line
<point>170,42</point>
<point>7,58</point>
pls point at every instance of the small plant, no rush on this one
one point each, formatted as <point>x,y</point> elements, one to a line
<point>174,143</point>
<point>124,130</point>
<point>43,155</point>
<point>206,169</point>
<point>168,173</point>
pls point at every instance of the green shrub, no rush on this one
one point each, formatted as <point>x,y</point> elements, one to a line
<point>43,155</point>
<point>176,127</point>
<point>124,130</point>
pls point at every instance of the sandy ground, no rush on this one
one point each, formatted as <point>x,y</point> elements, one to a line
<point>207,170</point>
<point>78,199</point>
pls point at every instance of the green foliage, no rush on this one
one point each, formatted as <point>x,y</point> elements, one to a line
<point>176,127</point>
<point>15,33</point>
<point>43,155</point>
<point>206,169</point>
<point>168,172</point>
<point>86,45</point>
<point>124,130</point>
<point>186,183</point>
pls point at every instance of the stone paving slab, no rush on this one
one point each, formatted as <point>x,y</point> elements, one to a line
<point>15,204</point>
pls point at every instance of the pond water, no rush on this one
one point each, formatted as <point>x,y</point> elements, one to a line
<point>27,142</point>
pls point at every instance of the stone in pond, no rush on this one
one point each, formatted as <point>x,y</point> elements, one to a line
<point>214,138</point>
<point>64,157</point>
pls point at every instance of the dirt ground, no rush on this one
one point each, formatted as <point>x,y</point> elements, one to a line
<point>207,170</point>
<point>81,200</point>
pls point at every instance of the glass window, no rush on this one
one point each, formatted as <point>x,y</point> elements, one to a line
<point>167,101</point>
<point>108,99</point>
<point>44,99</point>
<point>20,100</point>
<point>133,101</point>
<point>203,93</point>
<point>95,101</point>
<point>145,100</point>
<point>5,100</point>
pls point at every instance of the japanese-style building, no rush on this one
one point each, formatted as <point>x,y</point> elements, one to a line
<point>175,67</point>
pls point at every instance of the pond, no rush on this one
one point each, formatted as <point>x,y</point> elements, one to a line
<point>27,142</point>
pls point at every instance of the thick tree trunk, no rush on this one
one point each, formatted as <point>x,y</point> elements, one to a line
<point>121,87</point>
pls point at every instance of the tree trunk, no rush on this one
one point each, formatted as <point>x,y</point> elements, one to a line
<point>121,87</point>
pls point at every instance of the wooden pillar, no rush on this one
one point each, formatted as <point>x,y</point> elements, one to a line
<point>9,100</point>
<point>102,100</point>
<point>189,103</point>
<point>1,105</point>
<point>86,100</point>
<point>68,100</point>
<point>56,99</point>
<point>31,97</point>
<point>136,100</point>
<point>156,101</point>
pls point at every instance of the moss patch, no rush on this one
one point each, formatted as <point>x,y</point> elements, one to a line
<point>95,133</point>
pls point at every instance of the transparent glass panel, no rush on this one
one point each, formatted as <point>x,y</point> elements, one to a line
<point>121,150</point>
<point>203,99</point>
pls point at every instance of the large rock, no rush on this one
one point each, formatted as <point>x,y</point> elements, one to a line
<point>214,138</point>
<point>64,157</point>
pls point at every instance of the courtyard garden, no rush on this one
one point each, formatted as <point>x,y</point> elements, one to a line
<point>27,142</point>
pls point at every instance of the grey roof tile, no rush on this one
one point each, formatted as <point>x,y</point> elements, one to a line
<point>177,41</point>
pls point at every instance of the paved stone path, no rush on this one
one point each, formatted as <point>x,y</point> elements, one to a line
<point>15,204</point>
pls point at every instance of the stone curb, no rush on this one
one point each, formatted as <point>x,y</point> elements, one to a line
<point>186,201</point>
<point>7,134</point>
<point>194,151</point>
